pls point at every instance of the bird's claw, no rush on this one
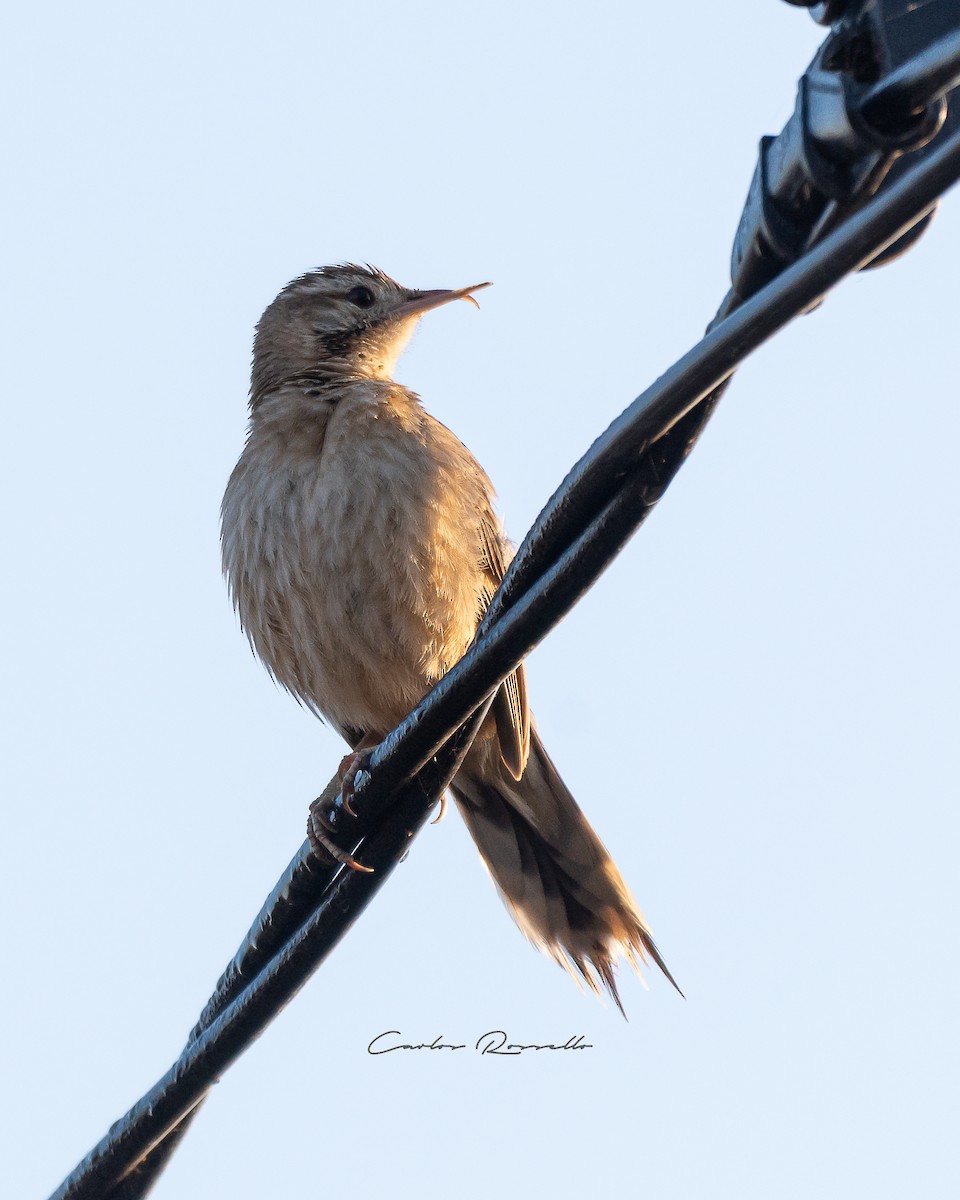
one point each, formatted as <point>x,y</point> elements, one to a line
<point>325,847</point>
<point>443,810</point>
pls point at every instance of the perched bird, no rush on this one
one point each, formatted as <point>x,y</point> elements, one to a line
<point>361,548</point>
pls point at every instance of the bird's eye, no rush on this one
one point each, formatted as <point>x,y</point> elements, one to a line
<point>362,297</point>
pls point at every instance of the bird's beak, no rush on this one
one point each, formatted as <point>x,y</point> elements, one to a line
<point>421,302</point>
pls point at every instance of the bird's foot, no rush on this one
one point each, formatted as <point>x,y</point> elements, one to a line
<point>326,826</point>
<point>323,827</point>
<point>323,846</point>
<point>443,810</point>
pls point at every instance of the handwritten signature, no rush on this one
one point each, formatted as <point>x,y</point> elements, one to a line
<point>494,1041</point>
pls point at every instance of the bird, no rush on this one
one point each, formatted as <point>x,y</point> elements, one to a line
<point>361,548</point>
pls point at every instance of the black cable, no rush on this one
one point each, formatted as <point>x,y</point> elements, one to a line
<point>606,495</point>
<point>892,104</point>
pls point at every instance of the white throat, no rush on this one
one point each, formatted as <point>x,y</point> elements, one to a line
<point>379,362</point>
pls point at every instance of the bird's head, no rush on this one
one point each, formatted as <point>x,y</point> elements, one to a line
<point>342,320</point>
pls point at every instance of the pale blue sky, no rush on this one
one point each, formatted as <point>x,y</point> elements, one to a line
<point>756,705</point>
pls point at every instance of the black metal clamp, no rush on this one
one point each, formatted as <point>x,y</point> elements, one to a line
<point>868,107</point>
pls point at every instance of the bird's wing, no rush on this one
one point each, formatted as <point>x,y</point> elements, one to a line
<point>511,708</point>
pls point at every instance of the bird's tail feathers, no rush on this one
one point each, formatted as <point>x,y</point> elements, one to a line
<point>553,872</point>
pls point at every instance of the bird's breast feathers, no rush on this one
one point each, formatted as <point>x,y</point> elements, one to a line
<point>356,563</point>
